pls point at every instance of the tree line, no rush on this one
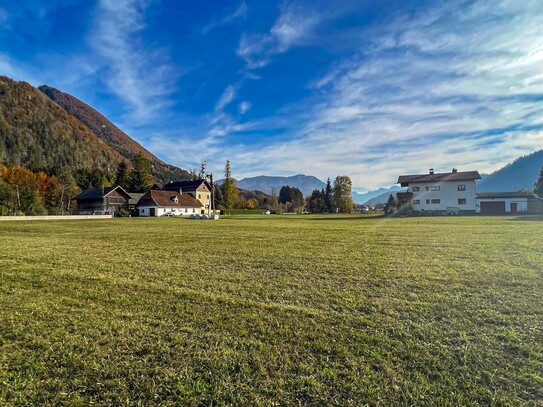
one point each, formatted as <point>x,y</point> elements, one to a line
<point>334,198</point>
<point>33,190</point>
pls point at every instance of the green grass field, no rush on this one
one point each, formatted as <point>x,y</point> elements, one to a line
<point>273,310</point>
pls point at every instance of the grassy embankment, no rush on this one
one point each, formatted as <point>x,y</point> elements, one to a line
<point>262,310</point>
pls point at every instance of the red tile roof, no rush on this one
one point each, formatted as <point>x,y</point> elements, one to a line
<point>167,199</point>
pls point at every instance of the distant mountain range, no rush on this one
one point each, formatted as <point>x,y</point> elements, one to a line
<point>306,184</point>
<point>46,128</point>
<point>520,174</point>
<point>265,183</point>
<point>376,196</point>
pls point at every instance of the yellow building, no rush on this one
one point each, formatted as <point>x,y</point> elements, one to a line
<point>199,189</point>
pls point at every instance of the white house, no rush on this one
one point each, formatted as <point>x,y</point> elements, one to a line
<point>508,203</point>
<point>440,192</point>
<point>168,203</point>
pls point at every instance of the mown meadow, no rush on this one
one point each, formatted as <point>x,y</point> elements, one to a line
<point>272,310</point>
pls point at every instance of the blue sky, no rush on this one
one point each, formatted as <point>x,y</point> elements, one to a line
<point>369,89</point>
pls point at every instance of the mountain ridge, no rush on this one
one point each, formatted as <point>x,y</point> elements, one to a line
<point>104,129</point>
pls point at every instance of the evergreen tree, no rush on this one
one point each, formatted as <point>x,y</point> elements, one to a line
<point>140,178</point>
<point>391,205</point>
<point>121,177</point>
<point>229,191</point>
<point>538,189</point>
<point>328,197</point>
<point>316,202</point>
<point>343,194</point>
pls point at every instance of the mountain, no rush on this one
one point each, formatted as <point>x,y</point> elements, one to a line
<point>113,136</point>
<point>380,199</point>
<point>48,128</point>
<point>264,183</point>
<point>366,196</point>
<point>35,131</point>
<point>520,174</point>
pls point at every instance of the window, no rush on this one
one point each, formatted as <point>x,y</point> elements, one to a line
<point>461,187</point>
<point>186,210</point>
<point>427,201</point>
<point>416,201</point>
<point>193,210</point>
<point>207,196</point>
<point>142,210</point>
<point>435,188</point>
<point>199,196</point>
<point>415,189</point>
<point>427,188</point>
<point>435,201</point>
<point>461,201</point>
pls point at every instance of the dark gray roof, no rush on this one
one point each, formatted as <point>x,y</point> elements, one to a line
<point>439,177</point>
<point>185,185</point>
<point>98,193</point>
<point>136,196</point>
<point>515,194</point>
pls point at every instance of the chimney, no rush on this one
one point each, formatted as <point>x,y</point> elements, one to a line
<point>454,170</point>
<point>431,171</point>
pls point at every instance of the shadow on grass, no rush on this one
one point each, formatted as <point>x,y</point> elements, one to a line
<point>343,217</point>
<point>532,218</point>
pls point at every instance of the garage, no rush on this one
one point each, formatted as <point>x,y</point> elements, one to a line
<point>493,208</point>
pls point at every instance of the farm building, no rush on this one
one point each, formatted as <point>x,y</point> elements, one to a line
<point>508,203</point>
<point>199,189</point>
<point>439,192</point>
<point>103,200</point>
<point>168,203</point>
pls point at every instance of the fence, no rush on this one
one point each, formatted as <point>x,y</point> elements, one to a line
<point>55,217</point>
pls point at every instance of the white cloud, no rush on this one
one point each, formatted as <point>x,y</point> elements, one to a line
<point>446,87</point>
<point>240,12</point>
<point>244,107</point>
<point>226,98</point>
<point>139,76</point>
<point>293,27</point>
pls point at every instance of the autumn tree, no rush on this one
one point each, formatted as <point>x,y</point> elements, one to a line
<point>68,188</point>
<point>342,194</point>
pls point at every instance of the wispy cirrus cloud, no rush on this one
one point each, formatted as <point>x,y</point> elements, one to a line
<point>239,13</point>
<point>140,76</point>
<point>444,87</point>
<point>226,98</point>
<point>293,27</point>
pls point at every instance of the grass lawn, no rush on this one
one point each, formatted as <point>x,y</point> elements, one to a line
<point>273,310</point>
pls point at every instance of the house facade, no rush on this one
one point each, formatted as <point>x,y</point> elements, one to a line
<point>199,189</point>
<point>168,203</point>
<point>509,203</point>
<point>102,200</point>
<point>453,191</point>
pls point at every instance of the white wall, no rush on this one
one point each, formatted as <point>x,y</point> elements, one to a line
<point>185,211</point>
<point>448,195</point>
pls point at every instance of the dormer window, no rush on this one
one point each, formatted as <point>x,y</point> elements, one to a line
<point>175,199</point>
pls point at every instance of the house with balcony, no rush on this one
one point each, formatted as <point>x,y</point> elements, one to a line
<point>449,192</point>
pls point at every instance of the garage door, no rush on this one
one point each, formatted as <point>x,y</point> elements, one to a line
<point>493,208</point>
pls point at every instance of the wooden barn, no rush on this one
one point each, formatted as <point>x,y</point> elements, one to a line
<point>103,200</point>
